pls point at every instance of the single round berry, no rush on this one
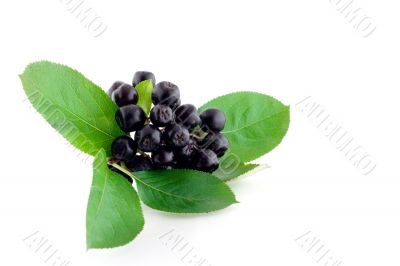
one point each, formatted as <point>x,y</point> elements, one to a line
<point>176,136</point>
<point>130,118</point>
<point>212,119</point>
<point>161,115</point>
<point>123,148</point>
<point>163,157</point>
<point>186,115</point>
<point>139,163</point>
<point>206,160</point>
<point>140,76</point>
<point>165,93</point>
<point>216,142</point>
<point>124,95</point>
<point>187,153</point>
<point>148,138</point>
<point>114,87</point>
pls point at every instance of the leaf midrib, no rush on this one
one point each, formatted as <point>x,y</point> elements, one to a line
<point>167,193</point>
<point>77,116</point>
<point>101,200</point>
<point>152,187</point>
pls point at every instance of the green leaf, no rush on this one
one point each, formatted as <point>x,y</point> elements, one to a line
<point>255,123</point>
<point>80,110</point>
<point>183,191</point>
<point>144,89</point>
<point>114,216</point>
<point>231,172</point>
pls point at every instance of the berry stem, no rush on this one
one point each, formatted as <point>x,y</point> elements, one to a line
<point>122,169</point>
<point>197,148</point>
<point>143,153</point>
<point>127,172</point>
<point>196,137</point>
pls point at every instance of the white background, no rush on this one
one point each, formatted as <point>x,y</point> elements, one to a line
<point>288,49</point>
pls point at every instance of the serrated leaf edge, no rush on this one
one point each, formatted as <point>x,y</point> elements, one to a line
<point>172,195</point>
<point>103,153</point>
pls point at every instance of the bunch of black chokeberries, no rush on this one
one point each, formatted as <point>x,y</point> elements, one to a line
<point>173,136</point>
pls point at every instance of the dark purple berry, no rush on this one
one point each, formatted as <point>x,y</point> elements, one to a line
<point>216,142</point>
<point>130,118</point>
<point>123,148</point>
<point>212,119</point>
<point>176,136</point>
<point>163,157</point>
<point>187,153</point>
<point>161,115</point>
<point>124,95</point>
<point>206,160</point>
<point>165,93</point>
<point>139,163</point>
<point>186,115</point>
<point>148,138</point>
<point>142,76</point>
<point>114,87</point>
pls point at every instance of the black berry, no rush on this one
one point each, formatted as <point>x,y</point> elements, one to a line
<point>187,153</point>
<point>206,160</point>
<point>161,115</point>
<point>186,115</point>
<point>163,158</point>
<point>165,93</point>
<point>216,142</point>
<point>212,120</point>
<point>124,95</point>
<point>148,138</point>
<point>172,136</point>
<point>141,76</point>
<point>140,163</point>
<point>130,118</point>
<point>176,136</point>
<point>123,148</point>
<point>114,87</point>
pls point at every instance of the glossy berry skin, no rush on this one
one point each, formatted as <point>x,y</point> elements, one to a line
<point>140,163</point>
<point>161,115</point>
<point>206,161</point>
<point>148,138</point>
<point>165,93</point>
<point>140,76</point>
<point>130,118</point>
<point>123,148</point>
<point>163,158</point>
<point>176,136</point>
<point>216,142</point>
<point>186,115</point>
<point>212,119</point>
<point>124,95</point>
<point>186,154</point>
<point>114,87</point>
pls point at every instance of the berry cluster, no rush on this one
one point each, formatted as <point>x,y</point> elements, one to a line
<point>173,136</point>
